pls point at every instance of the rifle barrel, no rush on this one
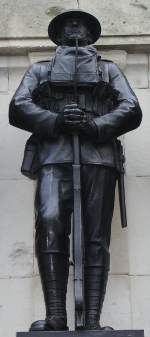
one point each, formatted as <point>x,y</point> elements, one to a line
<point>78,229</point>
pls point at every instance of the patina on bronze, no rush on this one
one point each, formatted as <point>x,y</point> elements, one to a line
<point>93,103</point>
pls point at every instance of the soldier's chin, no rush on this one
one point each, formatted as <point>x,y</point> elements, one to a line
<point>72,38</point>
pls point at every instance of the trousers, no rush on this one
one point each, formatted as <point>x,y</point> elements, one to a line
<point>54,207</point>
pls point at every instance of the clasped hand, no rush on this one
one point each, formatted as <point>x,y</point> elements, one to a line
<point>73,118</point>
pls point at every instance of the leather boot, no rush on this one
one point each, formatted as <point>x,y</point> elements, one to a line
<point>95,289</point>
<point>54,270</point>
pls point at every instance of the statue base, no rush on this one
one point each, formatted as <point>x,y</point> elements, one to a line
<point>83,333</point>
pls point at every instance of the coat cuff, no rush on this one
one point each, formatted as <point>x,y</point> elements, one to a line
<point>47,128</point>
<point>104,132</point>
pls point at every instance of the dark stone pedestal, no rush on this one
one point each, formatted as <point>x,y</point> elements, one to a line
<point>86,333</point>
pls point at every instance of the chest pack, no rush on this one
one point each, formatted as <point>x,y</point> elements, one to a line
<point>63,66</point>
<point>56,89</point>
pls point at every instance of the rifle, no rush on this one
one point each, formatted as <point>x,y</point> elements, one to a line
<point>78,226</point>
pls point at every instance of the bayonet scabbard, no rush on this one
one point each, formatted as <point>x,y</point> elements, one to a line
<point>119,164</point>
<point>121,186</point>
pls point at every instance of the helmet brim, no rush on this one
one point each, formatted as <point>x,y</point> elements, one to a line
<point>91,21</point>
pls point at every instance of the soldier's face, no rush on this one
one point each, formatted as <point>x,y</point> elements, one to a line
<point>74,28</point>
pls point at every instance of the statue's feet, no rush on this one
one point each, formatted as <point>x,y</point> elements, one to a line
<point>56,323</point>
<point>107,328</point>
<point>38,326</point>
<point>50,324</point>
<point>98,327</point>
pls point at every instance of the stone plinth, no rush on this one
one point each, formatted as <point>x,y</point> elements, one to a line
<point>86,333</point>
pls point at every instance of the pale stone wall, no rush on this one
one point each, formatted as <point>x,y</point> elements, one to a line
<point>20,19</point>
<point>127,303</point>
<point>23,23</point>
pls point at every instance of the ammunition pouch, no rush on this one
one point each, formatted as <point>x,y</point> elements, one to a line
<point>119,157</point>
<point>30,165</point>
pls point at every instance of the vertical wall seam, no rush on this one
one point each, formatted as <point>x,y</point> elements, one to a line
<point>33,233</point>
<point>131,304</point>
<point>148,55</point>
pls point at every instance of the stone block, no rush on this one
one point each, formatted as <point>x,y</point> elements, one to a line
<point>40,56</point>
<point>117,56</point>
<point>149,70</point>
<point>17,61</point>
<point>138,196</point>
<point>83,333</point>
<point>15,77</point>
<point>12,142</point>
<point>9,61</point>
<point>3,79</point>
<point>16,239</point>
<point>17,20</point>
<point>119,243</point>
<point>140,303</point>
<point>3,61</point>
<point>137,70</point>
<point>117,307</point>
<point>137,142</point>
<point>16,309</point>
<point>125,18</point>
<point>4,104</point>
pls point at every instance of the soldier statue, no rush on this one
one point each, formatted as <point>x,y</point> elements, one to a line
<point>106,108</point>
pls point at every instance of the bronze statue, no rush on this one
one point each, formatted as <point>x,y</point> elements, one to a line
<point>53,104</point>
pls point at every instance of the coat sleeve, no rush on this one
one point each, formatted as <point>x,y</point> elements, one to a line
<point>27,115</point>
<point>126,115</point>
